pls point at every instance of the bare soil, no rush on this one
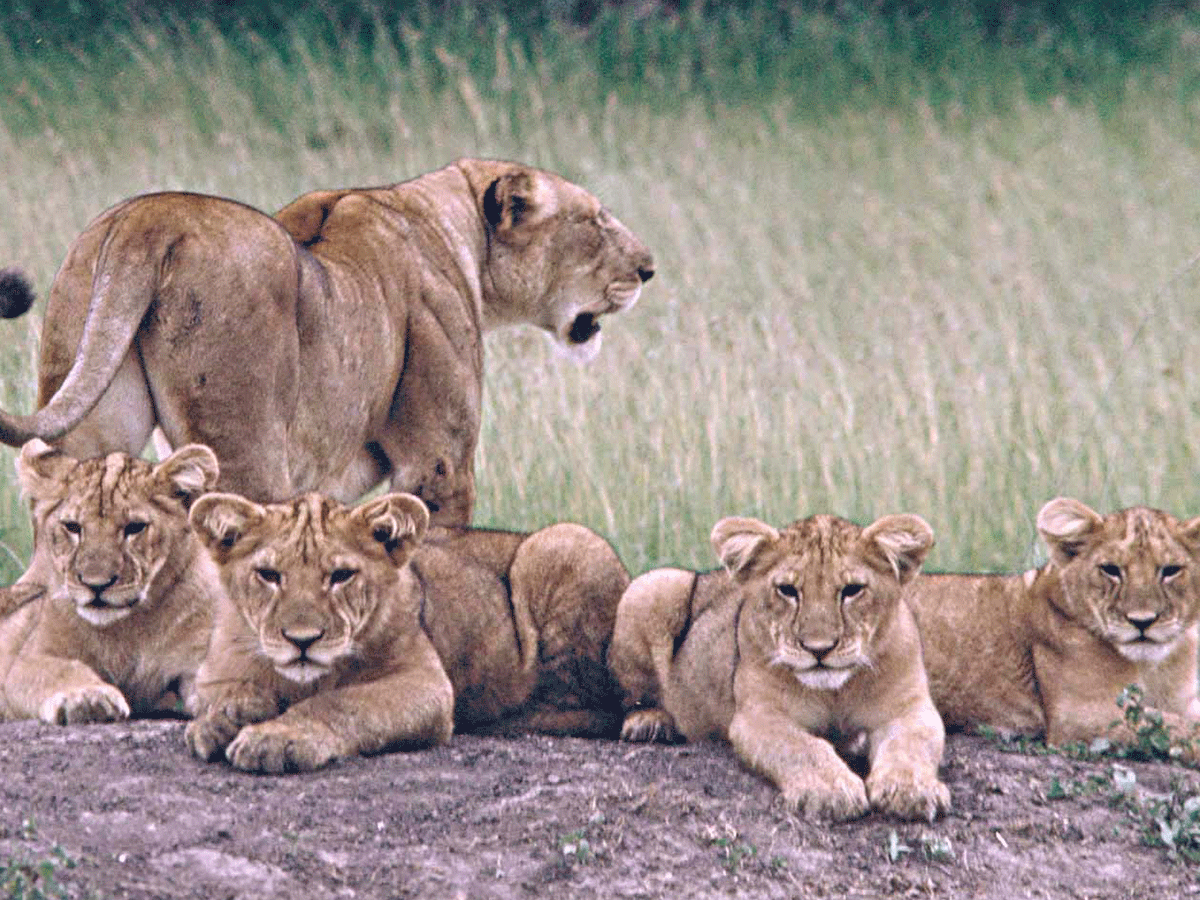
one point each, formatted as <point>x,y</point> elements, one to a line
<point>535,817</point>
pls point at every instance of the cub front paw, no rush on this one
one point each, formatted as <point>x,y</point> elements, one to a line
<point>209,733</point>
<point>274,748</point>
<point>648,725</point>
<point>92,703</point>
<point>908,795</point>
<point>837,799</point>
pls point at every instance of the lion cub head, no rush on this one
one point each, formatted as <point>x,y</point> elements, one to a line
<point>112,531</point>
<point>819,590</point>
<point>1132,578</point>
<point>557,258</point>
<point>309,576</point>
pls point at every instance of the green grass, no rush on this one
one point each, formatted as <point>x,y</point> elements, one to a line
<point>905,263</point>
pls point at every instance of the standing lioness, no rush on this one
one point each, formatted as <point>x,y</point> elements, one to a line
<point>333,346</point>
<point>1049,652</point>
<point>344,634</point>
<point>803,637</point>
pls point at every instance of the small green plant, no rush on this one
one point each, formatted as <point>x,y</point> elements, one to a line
<point>35,879</point>
<point>575,847</point>
<point>1154,739</point>
<point>1174,823</point>
<point>734,852</point>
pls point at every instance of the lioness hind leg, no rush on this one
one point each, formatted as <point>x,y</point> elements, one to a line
<point>653,613</point>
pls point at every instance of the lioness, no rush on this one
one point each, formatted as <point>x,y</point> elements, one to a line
<point>331,347</point>
<point>1048,652</point>
<point>123,623</point>
<point>803,637</point>
<point>343,634</point>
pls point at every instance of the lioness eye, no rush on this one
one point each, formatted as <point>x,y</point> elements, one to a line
<point>1168,572</point>
<point>72,527</point>
<point>787,590</point>
<point>1112,571</point>
<point>850,591</point>
<point>133,528</point>
<point>341,576</point>
<point>270,576</point>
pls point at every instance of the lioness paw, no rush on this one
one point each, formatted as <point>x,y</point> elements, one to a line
<point>93,703</point>
<point>649,725</point>
<point>275,749</point>
<point>208,735</point>
<point>908,795</point>
<point>838,800</point>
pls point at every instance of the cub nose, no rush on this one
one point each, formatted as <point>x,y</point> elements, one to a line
<point>1141,619</point>
<point>819,648</point>
<point>97,584</point>
<point>646,272</point>
<point>303,638</point>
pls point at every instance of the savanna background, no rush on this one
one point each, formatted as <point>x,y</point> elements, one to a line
<point>913,256</point>
<point>939,257</point>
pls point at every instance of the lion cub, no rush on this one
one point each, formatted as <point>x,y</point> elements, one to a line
<point>344,634</point>
<point>126,590</point>
<point>1048,652</point>
<point>801,639</point>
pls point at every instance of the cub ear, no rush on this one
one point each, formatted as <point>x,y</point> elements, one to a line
<point>221,521</point>
<point>898,544</point>
<point>1190,532</point>
<point>41,468</point>
<point>189,472</point>
<point>514,199</point>
<point>1066,525</point>
<point>739,542</point>
<point>17,595</point>
<point>395,521</point>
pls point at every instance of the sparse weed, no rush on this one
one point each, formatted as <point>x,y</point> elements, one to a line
<point>34,879</point>
<point>734,852</point>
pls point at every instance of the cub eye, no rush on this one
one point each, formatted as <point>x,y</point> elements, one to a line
<point>1169,572</point>
<point>70,526</point>
<point>850,591</point>
<point>787,591</point>
<point>341,576</point>
<point>270,576</point>
<point>1111,571</point>
<point>132,528</point>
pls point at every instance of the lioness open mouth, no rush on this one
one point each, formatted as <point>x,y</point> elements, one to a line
<point>583,328</point>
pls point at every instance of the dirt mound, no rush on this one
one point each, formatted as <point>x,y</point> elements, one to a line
<point>116,811</point>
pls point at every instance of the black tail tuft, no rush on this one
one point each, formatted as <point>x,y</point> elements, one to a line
<point>16,293</point>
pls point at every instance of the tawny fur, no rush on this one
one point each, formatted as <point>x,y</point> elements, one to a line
<point>332,347</point>
<point>117,600</point>
<point>801,641</point>
<point>407,636</point>
<point>1049,651</point>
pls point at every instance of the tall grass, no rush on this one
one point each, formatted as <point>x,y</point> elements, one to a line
<point>957,286</point>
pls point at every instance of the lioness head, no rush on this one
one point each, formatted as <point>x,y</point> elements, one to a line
<point>308,576</point>
<point>1132,577</point>
<point>115,528</point>
<point>819,590</point>
<point>556,256</point>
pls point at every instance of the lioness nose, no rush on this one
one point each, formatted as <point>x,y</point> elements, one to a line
<point>819,647</point>
<point>1142,619</point>
<point>97,584</point>
<point>303,638</point>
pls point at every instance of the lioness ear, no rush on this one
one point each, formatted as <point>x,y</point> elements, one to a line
<point>513,199</point>
<point>738,542</point>
<point>189,472</point>
<point>898,544</point>
<point>41,468</point>
<point>222,520</point>
<point>395,521</point>
<point>1066,525</point>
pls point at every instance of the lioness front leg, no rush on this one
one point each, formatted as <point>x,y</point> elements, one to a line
<point>211,732</point>
<point>62,691</point>
<point>905,754</point>
<point>413,708</point>
<point>813,778</point>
